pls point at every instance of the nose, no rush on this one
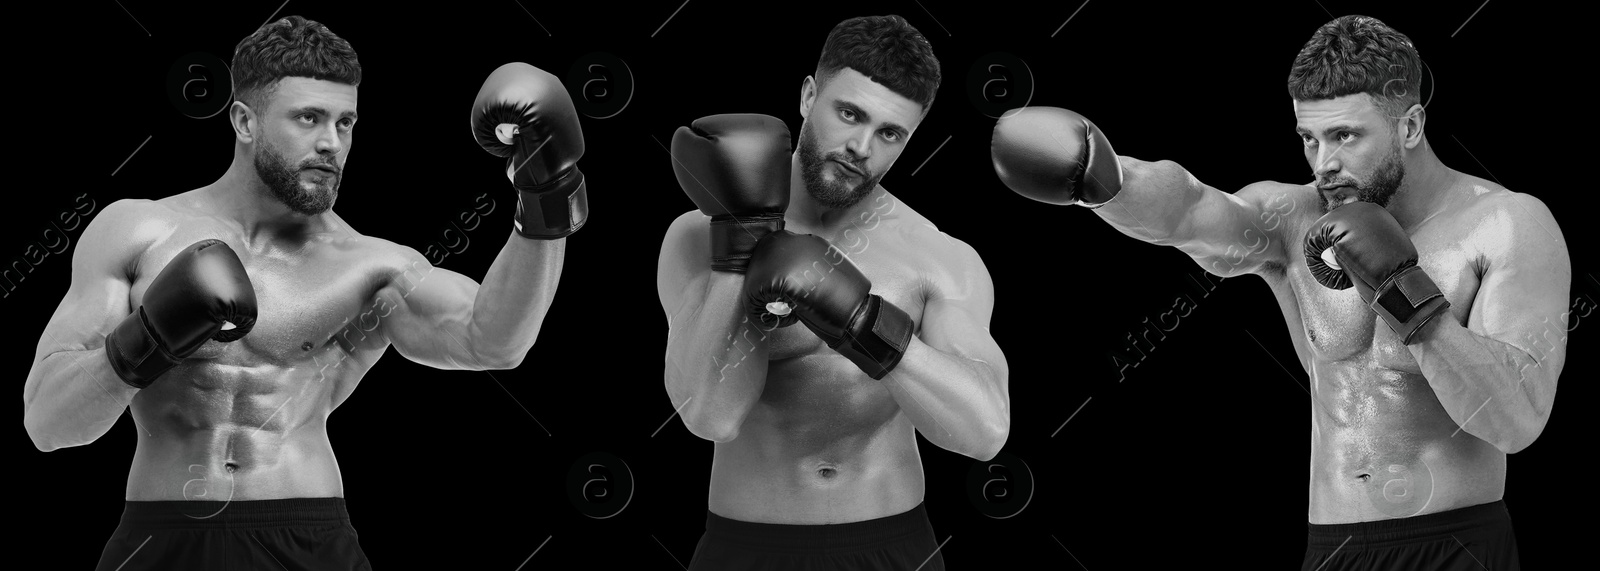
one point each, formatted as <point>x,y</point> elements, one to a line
<point>861,144</point>
<point>1326,161</point>
<point>329,141</point>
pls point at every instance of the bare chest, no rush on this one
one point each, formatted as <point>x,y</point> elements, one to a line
<point>1339,326</point>
<point>308,300</point>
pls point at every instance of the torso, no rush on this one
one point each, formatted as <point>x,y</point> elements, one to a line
<point>825,443</point>
<point>1382,446</point>
<point>247,420</point>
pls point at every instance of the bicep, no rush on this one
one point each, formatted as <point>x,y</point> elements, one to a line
<point>1227,234</point>
<point>1522,296</point>
<point>97,297</point>
<point>955,320</point>
<point>425,312</point>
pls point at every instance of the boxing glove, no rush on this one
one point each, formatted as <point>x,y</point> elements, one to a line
<point>1053,155</point>
<point>524,115</point>
<point>202,288</point>
<point>803,277</point>
<point>736,170</point>
<point>1370,251</point>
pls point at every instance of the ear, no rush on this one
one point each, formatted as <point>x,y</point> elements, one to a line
<point>808,96</point>
<point>1411,126</point>
<point>243,121</point>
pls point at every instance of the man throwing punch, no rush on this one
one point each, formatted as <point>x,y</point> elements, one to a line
<point>232,319</point>
<point>1428,303</point>
<point>816,463</point>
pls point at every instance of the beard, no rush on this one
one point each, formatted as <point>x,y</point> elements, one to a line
<point>1381,187</point>
<point>284,183</point>
<point>834,193</point>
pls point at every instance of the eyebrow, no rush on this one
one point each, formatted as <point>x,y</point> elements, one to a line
<point>324,112</point>
<point>867,117</point>
<point>1331,129</point>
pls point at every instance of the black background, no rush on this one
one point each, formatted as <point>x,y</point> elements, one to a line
<point>1199,454</point>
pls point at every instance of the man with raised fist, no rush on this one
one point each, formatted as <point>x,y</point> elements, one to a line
<point>232,319</point>
<point>1431,301</point>
<point>816,463</point>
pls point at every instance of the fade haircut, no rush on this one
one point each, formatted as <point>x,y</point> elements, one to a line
<point>290,47</point>
<point>886,49</point>
<point>1359,54</point>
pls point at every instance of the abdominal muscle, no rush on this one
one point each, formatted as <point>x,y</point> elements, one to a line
<point>210,432</point>
<point>824,445</point>
<point>1383,447</point>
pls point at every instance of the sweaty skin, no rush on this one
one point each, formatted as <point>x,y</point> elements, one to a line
<point>1397,430</point>
<point>802,435</point>
<point>247,420</point>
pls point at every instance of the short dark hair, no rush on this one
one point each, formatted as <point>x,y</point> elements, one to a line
<point>290,47</point>
<point>886,49</point>
<point>1359,54</point>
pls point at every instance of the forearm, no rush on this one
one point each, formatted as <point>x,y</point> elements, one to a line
<point>1153,201</point>
<point>716,361</point>
<point>514,298</point>
<point>957,403</point>
<point>74,397</point>
<point>1493,390</point>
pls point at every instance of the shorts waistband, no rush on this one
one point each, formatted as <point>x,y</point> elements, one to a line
<point>1406,529</point>
<point>812,538</point>
<point>236,514</point>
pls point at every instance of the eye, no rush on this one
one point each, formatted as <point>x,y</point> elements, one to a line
<point>1346,136</point>
<point>1307,140</point>
<point>891,135</point>
<point>847,115</point>
<point>347,123</point>
<point>307,117</point>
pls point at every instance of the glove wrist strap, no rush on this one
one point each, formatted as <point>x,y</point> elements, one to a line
<point>876,338</point>
<point>554,209</point>
<point>1407,301</point>
<point>135,354</point>
<point>734,238</point>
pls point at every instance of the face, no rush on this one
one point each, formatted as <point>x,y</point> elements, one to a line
<point>303,141</point>
<point>854,130</point>
<point>1353,148</point>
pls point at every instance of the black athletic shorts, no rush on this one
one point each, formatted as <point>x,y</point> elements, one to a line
<point>900,542</point>
<point>294,534</point>
<point>1475,538</point>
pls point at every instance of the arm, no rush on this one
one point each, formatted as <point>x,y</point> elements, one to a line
<point>716,363</point>
<point>445,320</point>
<point>952,381</point>
<point>1497,376</point>
<point>72,396</point>
<point>1056,156</point>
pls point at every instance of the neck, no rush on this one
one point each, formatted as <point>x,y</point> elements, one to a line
<point>1428,187</point>
<point>240,196</point>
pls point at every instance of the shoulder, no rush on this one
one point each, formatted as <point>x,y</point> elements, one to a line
<point>121,230</point>
<point>1505,221</point>
<point>1281,197</point>
<point>952,265</point>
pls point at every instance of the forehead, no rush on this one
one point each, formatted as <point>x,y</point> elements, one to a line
<point>297,92</point>
<point>880,102</point>
<point>1357,109</point>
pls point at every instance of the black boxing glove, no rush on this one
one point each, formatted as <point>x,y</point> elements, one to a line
<point>1372,252</point>
<point>202,288</point>
<point>1056,156</point>
<point>525,115</point>
<point>814,282</point>
<point>736,170</point>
